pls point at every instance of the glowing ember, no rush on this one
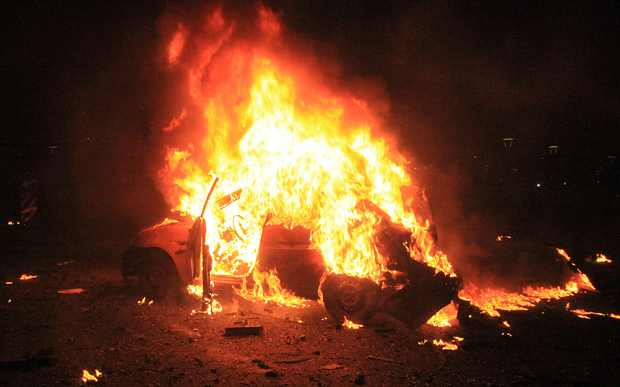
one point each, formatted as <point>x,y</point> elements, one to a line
<point>351,325</point>
<point>600,258</point>
<point>142,301</point>
<point>505,323</point>
<point>297,151</point>
<point>88,377</point>
<point>26,277</point>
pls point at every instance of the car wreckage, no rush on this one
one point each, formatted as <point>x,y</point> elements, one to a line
<point>169,256</point>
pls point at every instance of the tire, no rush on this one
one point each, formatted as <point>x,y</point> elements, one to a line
<point>351,297</point>
<point>158,275</point>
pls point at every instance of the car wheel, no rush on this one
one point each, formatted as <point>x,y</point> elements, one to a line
<point>351,297</point>
<point>158,275</point>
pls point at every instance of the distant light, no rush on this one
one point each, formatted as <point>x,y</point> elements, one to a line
<point>538,185</point>
<point>564,183</point>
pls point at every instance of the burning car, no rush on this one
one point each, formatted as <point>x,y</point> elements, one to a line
<point>166,257</point>
<point>315,202</point>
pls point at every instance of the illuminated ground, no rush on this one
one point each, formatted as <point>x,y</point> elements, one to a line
<point>104,328</point>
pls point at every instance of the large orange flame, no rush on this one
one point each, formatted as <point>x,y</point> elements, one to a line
<point>299,152</point>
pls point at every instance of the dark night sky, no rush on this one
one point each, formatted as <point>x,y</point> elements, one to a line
<point>459,76</point>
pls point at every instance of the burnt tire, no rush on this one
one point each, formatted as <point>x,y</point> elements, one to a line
<point>158,275</point>
<point>351,297</point>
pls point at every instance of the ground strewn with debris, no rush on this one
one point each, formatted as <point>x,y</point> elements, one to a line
<point>50,338</point>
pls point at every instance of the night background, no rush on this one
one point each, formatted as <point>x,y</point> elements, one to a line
<point>83,106</point>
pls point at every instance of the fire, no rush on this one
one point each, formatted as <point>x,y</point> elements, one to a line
<point>267,288</point>
<point>446,346</point>
<point>443,318</point>
<point>88,377</point>
<point>299,153</point>
<point>26,277</point>
<point>581,313</point>
<point>214,307</point>
<point>291,150</point>
<point>351,325</point>
<point>601,258</point>
<point>491,301</point>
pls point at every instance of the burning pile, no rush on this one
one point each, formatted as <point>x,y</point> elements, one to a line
<point>289,150</point>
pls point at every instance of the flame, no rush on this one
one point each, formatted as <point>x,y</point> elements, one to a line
<point>601,258</point>
<point>26,277</point>
<point>350,324</point>
<point>88,377</point>
<point>564,254</point>
<point>446,346</point>
<point>443,318</point>
<point>299,152</point>
<point>581,313</point>
<point>267,288</point>
<point>213,308</point>
<point>491,301</point>
<point>263,117</point>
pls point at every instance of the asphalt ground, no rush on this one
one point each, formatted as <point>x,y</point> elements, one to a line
<point>50,338</point>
